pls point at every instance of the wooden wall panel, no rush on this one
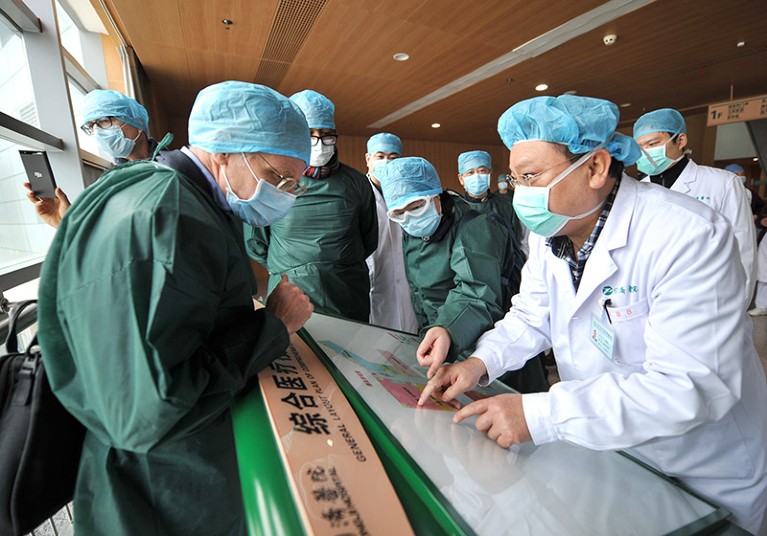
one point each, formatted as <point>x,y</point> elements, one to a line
<point>442,155</point>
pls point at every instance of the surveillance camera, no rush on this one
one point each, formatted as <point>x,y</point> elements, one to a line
<point>610,39</point>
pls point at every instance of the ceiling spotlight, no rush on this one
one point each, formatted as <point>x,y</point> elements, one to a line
<point>541,87</point>
<point>756,159</point>
<point>435,125</point>
<point>625,105</point>
<point>741,44</point>
<point>401,56</point>
<point>571,92</point>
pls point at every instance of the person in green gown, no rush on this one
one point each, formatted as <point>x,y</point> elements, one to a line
<point>457,262</point>
<point>146,318</point>
<point>322,244</point>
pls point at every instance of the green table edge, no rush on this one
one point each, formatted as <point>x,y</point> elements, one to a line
<point>270,509</point>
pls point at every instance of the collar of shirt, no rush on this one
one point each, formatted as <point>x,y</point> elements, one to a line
<point>562,246</point>
<point>218,195</point>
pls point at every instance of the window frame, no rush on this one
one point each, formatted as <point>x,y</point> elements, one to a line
<point>49,69</point>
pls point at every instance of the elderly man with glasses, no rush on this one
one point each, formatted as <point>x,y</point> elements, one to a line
<point>323,243</point>
<point>147,322</point>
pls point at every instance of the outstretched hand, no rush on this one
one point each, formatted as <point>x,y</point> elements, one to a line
<point>433,349</point>
<point>452,380</point>
<point>50,210</point>
<point>500,417</point>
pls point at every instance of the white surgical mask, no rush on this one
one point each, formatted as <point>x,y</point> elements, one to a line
<point>321,154</point>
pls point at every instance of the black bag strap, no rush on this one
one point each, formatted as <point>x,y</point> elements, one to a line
<point>12,341</point>
<point>25,377</point>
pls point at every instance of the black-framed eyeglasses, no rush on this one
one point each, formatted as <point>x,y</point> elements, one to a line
<point>286,184</point>
<point>102,122</point>
<point>327,139</point>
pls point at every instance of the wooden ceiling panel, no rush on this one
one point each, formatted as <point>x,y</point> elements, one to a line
<point>650,66</point>
<point>678,53</point>
<point>204,31</point>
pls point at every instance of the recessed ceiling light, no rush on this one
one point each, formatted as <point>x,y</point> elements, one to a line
<point>435,125</point>
<point>541,87</point>
<point>571,92</point>
<point>625,105</point>
<point>401,56</point>
<point>756,160</point>
<point>741,44</point>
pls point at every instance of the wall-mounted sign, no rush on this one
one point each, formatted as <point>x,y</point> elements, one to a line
<point>737,111</point>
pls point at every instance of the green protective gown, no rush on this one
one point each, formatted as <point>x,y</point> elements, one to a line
<point>322,244</point>
<point>499,204</point>
<point>455,281</point>
<point>532,377</point>
<point>148,333</point>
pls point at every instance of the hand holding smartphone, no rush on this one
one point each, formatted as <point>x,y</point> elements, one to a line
<point>39,173</point>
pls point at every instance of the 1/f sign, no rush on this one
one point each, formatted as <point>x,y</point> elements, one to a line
<point>737,111</point>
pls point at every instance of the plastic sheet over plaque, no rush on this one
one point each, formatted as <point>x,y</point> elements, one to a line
<point>551,489</point>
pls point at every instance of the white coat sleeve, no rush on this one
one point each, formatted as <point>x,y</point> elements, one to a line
<point>524,332</point>
<point>737,209</point>
<point>695,346</point>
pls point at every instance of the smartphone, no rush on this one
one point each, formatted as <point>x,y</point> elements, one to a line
<point>39,173</point>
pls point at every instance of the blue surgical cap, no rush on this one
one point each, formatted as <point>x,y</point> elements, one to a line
<point>472,160</point>
<point>405,179</point>
<point>384,143</point>
<point>107,102</point>
<point>663,120</point>
<point>240,117</point>
<point>580,123</point>
<point>317,108</point>
<point>735,168</point>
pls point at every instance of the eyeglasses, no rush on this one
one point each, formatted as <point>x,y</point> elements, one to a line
<point>400,215</point>
<point>103,122</point>
<point>528,178</point>
<point>327,139</point>
<point>286,184</point>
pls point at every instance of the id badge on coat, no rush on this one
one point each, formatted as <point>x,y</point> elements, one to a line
<point>603,337</point>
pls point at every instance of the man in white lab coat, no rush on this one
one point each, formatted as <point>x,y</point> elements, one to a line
<point>662,136</point>
<point>390,303</point>
<point>654,354</point>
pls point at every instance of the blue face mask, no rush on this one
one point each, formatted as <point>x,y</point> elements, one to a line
<point>531,203</point>
<point>112,141</point>
<point>378,166</point>
<point>264,207</point>
<point>477,184</point>
<point>654,160</point>
<point>424,224</point>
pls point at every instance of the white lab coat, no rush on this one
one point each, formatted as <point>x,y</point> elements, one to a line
<point>685,389</point>
<point>724,192</point>
<point>390,304</point>
<point>761,261</point>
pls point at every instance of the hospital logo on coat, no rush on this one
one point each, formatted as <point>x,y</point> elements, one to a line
<point>607,290</point>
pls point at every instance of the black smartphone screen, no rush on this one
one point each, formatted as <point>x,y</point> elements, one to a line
<point>39,173</point>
